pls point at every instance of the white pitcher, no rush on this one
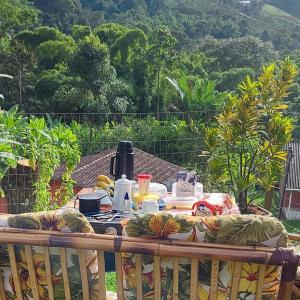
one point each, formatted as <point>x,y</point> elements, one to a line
<point>123,186</point>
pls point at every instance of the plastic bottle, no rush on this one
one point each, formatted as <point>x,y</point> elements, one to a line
<point>122,187</point>
<point>127,204</point>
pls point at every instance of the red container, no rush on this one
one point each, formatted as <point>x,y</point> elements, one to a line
<point>144,181</point>
<point>215,204</point>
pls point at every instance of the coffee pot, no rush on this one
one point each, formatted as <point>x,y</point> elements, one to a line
<point>122,162</point>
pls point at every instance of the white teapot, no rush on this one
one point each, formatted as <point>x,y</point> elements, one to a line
<point>122,200</point>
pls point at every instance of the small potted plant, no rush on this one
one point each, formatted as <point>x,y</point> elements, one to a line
<point>246,147</point>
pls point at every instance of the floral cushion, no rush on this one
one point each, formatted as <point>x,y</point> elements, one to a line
<point>239,230</point>
<point>67,220</point>
<point>295,246</point>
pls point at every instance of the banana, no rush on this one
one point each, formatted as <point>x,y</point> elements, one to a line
<point>104,178</point>
<point>101,184</point>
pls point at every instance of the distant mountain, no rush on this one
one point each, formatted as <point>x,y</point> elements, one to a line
<point>188,20</point>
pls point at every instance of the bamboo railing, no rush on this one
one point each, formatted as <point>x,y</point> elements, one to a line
<point>294,237</point>
<point>296,289</point>
<point>156,248</point>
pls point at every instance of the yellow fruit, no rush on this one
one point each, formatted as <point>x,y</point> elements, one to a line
<point>102,184</point>
<point>104,178</point>
<point>111,192</point>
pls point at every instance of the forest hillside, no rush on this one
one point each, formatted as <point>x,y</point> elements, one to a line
<point>139,56</point>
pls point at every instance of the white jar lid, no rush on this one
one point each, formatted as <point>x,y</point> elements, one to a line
<point>149,202</point>
<point>149,206</point>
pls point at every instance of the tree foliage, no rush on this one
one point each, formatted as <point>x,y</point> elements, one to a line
<point>130,60</point>
<point>198,94</point>
<point>247,145</point>
<point>152,56</point>
<point>242,52</point>
<point>31,141</point>
<point>16,15</point>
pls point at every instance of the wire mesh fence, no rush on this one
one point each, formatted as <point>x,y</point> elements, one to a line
<point>18,185</point>
<point>175,137</point>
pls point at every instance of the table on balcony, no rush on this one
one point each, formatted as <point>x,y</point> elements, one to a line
<point>115,226</point>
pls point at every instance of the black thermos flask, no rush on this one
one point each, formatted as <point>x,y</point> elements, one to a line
<point>122,162</point>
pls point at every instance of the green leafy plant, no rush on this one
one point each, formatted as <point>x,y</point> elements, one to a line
<point>195,94</point>
<point>33,143</point>
<point>247,145</point>
<point>172,139</point>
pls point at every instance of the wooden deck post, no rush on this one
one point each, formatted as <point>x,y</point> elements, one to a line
<point>289,271</point>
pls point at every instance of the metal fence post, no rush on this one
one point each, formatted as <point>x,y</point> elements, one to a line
<point>286,177</point>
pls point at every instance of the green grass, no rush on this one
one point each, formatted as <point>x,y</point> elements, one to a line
<point>292,226</point>
<point>111,281</point>
<point>272,10</point>
<point>290,6</point>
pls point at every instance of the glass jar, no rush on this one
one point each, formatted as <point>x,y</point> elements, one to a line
<point>150,206</point>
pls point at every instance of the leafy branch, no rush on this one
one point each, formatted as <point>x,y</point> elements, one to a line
<point>252,132</point>
<point>32,142</point>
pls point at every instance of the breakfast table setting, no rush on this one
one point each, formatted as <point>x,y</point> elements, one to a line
<point>111,204</point>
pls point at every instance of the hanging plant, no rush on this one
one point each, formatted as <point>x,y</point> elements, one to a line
<point>35,144</point>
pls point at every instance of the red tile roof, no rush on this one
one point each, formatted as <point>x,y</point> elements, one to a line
<point>93,165</point>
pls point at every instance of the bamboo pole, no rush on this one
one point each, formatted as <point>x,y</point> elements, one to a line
<point>48,273</point>
<point>119,272</point>
<point>285,290</point>
<point>260,281</point>
<point>294,237</point>
<point>213,293</point>
<point>2,291</point>
<point>139,276</point>
<point>102,237</point>
<point>157,278</point>
<point>83,274</point>
<point>133,245</point>
<point>14,271</point>
<point>64,269</point>
<point>142,246</point>
<point>236,280</point>
<point>32,273</point>
<point>157,249</point>
<point>175,278</point>
<point>194,278</point>
<point>101,272</point>
<point>296,291</point>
